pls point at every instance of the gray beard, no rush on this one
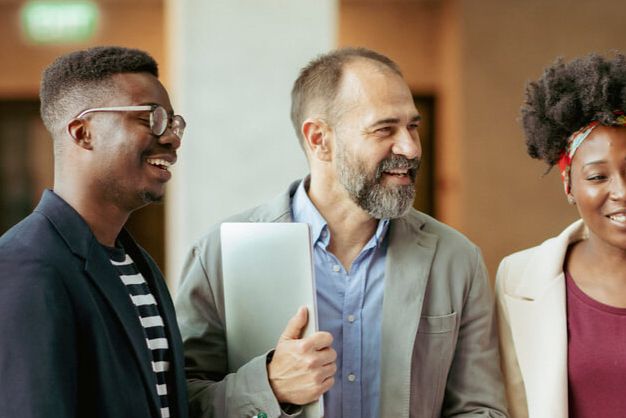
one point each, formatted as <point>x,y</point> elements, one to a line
<point>378,200</point>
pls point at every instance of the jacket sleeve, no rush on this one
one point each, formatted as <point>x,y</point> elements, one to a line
<point>515,391</point>
<point>38,345</point>
<point>213,392</point>
<point>474,387</point>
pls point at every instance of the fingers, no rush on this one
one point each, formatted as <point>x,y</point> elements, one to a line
<point>320,340</point>
<point>296,325</point>
<point>327,356</point>
<point>301,370</point>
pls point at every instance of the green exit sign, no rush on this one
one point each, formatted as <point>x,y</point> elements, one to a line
<point>54,22</point>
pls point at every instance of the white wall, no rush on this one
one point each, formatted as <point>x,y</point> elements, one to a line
<point>232,65</point>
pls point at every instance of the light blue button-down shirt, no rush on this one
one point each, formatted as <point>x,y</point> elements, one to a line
<point>350,306</point>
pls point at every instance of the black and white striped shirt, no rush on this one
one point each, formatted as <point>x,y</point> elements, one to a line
<point>150,318</point>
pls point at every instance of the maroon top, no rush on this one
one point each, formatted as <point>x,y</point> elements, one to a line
<point>596,356</point>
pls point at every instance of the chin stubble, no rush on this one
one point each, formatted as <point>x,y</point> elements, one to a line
<point>366,190</point>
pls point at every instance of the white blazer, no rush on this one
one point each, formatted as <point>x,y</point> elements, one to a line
<point>532,321</point>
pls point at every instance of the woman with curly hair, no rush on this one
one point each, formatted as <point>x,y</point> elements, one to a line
<point>562,304</point>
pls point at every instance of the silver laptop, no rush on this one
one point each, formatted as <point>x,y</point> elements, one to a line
<point>268,274</point>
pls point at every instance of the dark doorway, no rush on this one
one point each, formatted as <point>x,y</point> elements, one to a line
<point>424,196</point>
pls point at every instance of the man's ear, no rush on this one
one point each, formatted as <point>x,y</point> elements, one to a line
<point>79,131</point>
<point>317,138</point>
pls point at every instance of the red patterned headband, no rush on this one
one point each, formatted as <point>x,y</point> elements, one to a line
<point>574,141</point>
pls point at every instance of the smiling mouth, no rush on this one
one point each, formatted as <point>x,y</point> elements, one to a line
<point>159,163</point>
<point>397,172</point>
<point>618,217</point>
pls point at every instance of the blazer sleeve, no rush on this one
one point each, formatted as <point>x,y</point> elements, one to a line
<point>514,384</point>
<point>474,387</point>
<point>38,345</point>
<point>213,392</point>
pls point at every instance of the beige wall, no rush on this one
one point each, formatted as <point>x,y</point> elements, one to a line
<point>406,31</point>
<point>137,24</point>
<point>476,57</point>
<point>509,205</point>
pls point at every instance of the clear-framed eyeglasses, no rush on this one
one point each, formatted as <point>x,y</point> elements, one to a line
<point>159,119</point>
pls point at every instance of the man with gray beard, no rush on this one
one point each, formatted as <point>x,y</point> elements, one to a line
<point>404,304</point>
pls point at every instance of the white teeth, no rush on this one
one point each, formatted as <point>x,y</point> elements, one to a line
<point>159,162</point>
<point>620,217</point>
<point>397,171</point>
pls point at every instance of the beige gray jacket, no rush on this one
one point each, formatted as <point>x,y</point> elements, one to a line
<point>532,317</point>
<point>439,346</point>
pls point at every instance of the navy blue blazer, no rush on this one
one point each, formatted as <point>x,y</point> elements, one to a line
<point>71,344</point>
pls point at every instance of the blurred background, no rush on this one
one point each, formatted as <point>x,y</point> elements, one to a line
<point>229,66</point>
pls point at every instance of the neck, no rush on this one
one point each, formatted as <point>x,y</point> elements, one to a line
<point>598,270</point>
<point>104,219</point>
<point>350,226</point>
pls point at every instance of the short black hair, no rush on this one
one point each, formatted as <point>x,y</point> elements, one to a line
<point>319,81</point>
<point>569,96</point>
<point>71,78</point>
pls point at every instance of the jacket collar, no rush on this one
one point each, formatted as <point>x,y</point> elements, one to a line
<point>67,221</point>
<point>278,209</point>
<point>546,263</point>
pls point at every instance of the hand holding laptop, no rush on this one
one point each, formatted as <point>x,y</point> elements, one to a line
<point>302,369</point>
<point>268,275</point>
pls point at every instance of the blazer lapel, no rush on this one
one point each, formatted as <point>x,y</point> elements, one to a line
<point>538,317</point>
<point>409,258</point>
<point>103,275</point>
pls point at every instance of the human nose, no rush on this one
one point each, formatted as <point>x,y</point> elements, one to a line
<point>170,138</point>
<point>407,143</point>
<point>618,188</point>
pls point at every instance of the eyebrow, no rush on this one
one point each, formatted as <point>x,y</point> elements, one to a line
<point>386,121</point>
<point>594,163</point>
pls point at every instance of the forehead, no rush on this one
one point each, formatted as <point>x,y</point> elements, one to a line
<point>602,143</point>
<point>138,88</point>
<point>374,91</point>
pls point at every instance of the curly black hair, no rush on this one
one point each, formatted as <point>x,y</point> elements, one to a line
<point>569,96</point>
<point>76,76</point>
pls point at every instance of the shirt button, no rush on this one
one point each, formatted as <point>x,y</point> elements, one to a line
<point>336,268</point>
<point>350,318</point>
<point>351,377</point>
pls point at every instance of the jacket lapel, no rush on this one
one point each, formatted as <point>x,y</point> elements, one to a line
<point>409,258</point>
<point>538,317</point>
<point>106,279</point>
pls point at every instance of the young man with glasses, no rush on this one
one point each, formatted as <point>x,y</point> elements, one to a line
<point>88,325</point>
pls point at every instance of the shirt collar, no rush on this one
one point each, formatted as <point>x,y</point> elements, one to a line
<point>303,210</point>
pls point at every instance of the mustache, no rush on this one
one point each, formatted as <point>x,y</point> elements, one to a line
<point>398,162</point>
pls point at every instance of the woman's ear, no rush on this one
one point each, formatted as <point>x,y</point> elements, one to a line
<point>317,139</point>
<point>79,132</point>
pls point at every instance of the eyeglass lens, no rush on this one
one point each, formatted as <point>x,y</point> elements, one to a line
<point>159,122</point>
